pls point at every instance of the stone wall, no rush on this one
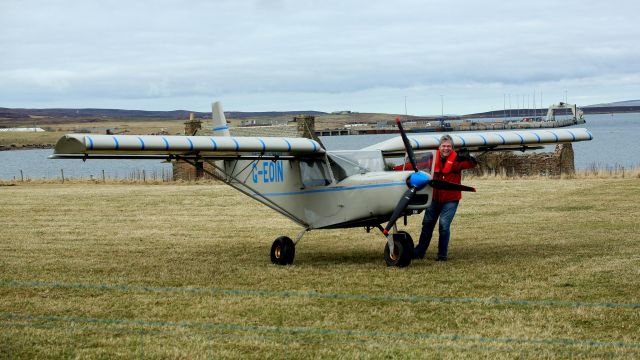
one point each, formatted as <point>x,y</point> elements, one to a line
<point>306,126</point>
<point>556,163</point>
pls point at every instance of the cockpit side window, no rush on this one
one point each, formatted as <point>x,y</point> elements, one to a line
<point>314,173</point>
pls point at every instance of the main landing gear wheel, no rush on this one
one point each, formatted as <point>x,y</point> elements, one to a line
<point>402,250</point>
<point>283,251</point>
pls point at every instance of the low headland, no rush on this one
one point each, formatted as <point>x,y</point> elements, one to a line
<point>57,122</point>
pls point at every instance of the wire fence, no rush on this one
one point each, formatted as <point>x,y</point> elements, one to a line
<point>132,175</point>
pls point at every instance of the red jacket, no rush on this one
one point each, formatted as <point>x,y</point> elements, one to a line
<point>454,176</point>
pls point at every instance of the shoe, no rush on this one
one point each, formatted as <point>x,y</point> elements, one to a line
<point>441,258</point>
<point>418,256</point>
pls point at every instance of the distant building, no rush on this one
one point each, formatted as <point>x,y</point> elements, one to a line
<point>22,130</point>
<point>264,122</point>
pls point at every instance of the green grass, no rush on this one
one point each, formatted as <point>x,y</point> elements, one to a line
<point>539,268</point>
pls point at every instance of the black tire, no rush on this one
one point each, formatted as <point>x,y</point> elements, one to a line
<point>283,251</point>
<point>409,238</point>
<point>402,252</point>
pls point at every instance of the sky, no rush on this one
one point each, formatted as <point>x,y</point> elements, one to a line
<point>418,57</point>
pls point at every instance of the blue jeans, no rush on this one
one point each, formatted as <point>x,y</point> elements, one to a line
<point>444,211</point>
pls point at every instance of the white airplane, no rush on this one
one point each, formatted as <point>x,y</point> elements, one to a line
<point>314,187</point>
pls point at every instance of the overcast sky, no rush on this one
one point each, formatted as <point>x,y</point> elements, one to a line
<point>366,56</point>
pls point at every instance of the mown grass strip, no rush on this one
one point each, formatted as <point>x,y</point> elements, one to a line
<point>317,331</point>
<point>313,294</point>
<point>265,338</point>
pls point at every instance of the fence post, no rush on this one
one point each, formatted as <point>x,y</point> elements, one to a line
<point>144,177</point>
<point>103,180</point>
<point>21,176</point>
<point>62,174</point>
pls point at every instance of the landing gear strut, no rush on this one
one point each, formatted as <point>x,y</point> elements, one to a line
<point>402,252</point>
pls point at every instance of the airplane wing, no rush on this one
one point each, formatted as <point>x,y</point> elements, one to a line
<point>488,141</point>
<point>86,146</point>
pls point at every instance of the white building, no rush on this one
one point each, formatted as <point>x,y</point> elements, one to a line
<point>21,130</point>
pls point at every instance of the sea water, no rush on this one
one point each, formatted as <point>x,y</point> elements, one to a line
<point>615,144</point>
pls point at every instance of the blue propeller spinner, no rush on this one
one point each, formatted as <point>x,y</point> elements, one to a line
<point>418,180</point>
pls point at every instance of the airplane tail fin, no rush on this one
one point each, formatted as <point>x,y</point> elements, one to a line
<point>220,126</point>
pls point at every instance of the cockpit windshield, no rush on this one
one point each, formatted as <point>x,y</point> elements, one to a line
<point>347,163</point>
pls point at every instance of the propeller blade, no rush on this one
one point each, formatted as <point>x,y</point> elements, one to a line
<point>407,145</point>
<point>445,185</point>
<point>402,204</point>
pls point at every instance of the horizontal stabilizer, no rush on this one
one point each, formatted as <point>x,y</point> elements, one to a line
<point>490,140</point>
<point>144,146</point>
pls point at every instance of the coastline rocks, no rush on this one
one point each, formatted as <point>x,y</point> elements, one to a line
<point>25,147</point>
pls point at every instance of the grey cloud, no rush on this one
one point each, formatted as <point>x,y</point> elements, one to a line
<point>170,49</point>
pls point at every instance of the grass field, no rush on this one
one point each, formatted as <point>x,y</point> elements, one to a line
<point>539,268</point>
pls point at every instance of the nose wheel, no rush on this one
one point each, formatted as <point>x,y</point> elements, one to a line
<point>402,253</point>
<point>283,251</point>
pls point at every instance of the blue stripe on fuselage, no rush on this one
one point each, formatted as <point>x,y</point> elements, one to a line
<point>331,189</point>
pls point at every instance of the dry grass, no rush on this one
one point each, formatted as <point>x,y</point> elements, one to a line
<point>29,139</point>
<point>56,128</point>
<point>592,172</point>
<point>540,268</point>
<point>56,131</point>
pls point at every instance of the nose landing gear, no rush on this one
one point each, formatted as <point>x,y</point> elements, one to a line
<point>283,251</point>
<point>402,252</point>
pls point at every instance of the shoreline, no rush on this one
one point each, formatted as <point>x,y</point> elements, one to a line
<point>14,147</point>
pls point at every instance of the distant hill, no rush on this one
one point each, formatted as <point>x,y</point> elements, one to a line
<point>616,104</point>
<point>61,114</point>
<point>614,107</point>
<point>138,114</point>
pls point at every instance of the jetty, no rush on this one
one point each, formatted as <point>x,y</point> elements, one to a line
<point>558,115</point>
